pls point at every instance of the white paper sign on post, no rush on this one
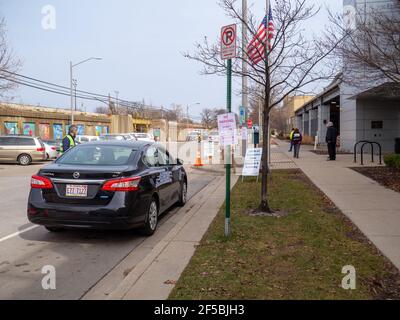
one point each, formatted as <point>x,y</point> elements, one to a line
<point>252,163</point>
<point>227,129</point>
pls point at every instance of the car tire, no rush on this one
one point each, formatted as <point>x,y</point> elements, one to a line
<point>151,222</point>
<point>54,229</point>
<point>24,159</point>
<point>182,194</point>
<point>47,156</point>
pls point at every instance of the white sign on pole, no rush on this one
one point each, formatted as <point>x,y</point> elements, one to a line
<point>252,163</point>
<point>227,129</point>
<point>228,42</point>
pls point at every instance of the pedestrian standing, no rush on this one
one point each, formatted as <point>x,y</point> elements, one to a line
<point>291,140</point>
<point>331,140</point>
<point>297,140</point>
<point>69,140</point>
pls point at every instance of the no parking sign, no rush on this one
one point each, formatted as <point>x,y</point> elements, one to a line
<point>228,42</point>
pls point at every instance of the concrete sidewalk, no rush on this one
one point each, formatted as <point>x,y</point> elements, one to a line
<point>154,277</point>
<point>373,208</point>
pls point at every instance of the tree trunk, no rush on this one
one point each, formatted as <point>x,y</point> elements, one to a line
<point>264,206</point>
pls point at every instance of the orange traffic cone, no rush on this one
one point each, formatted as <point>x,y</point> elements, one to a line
<point>198,160</point>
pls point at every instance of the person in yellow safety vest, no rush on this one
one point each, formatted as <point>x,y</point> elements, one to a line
<point>69,140</point>
<point>291,139</point>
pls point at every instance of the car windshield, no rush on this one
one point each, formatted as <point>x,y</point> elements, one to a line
<point>98,155</point>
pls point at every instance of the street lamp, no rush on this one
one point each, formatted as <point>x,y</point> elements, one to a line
<point>71,66</point>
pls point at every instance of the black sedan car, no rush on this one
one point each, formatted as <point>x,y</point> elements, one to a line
<point>107,185</point>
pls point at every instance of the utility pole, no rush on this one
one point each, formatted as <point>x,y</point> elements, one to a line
<point>187,118</point>
<point>116,101</point>
<point>75,84</point>
<point>72,94</point>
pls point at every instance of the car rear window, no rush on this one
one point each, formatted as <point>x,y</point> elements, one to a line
<point>104,155</point>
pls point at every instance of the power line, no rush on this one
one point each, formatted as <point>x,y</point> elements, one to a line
<point>86,95</point>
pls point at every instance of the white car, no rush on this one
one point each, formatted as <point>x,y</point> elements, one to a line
<point>51,151</point>
<point>141,136</point>
<point>83,139</point>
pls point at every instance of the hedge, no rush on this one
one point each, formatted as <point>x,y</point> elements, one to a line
<point>393,160</point>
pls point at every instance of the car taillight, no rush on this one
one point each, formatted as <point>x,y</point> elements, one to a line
<point>41,149</point>
<point>53,148</point>
<point>38,182</point>
<point>123,184</point>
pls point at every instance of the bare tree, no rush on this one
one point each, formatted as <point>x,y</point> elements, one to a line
<point>371,48</point>
<point>9,65</point>
<point>176,113</point>
<point>293,62</point>
<point>207,118</point>
<point>210,117</point>
<point>279,120</point>
<point>102,110</point>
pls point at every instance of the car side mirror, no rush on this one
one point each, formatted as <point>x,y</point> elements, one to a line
<point>180,162</point>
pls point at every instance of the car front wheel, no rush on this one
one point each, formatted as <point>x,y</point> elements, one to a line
<point>183,195</point>
<point>151,223</point>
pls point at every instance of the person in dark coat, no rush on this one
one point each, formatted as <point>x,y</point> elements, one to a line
<point>297,140</point>
<point>331,138</point>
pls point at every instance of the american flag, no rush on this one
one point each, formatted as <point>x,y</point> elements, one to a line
<point>256,48</point>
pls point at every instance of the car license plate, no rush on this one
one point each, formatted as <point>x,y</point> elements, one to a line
<point>76,191</point>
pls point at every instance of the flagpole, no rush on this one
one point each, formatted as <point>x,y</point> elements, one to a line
<point>245,96</point>
<point>268,137</point>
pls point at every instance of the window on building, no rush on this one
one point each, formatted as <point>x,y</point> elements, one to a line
<point>377,125</point>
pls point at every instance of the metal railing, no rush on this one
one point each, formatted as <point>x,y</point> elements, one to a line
<point>371,143</point>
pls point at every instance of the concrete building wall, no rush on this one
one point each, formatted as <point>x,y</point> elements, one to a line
<point>387,112</point>
<point>323,118</point>
<point>348,118</point>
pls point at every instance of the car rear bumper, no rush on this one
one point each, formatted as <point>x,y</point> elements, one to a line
<point>38,156</point>
<point>66,220</point>
<point>115,215</point>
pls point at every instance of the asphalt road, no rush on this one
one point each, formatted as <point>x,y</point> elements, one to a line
<point>82,258</point>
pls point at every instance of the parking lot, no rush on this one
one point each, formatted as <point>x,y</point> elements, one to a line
<point>82,258</point>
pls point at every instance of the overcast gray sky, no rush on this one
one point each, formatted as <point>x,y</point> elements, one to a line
<point>140,43</point>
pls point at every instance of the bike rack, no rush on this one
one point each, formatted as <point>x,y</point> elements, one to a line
<point>371,143</point>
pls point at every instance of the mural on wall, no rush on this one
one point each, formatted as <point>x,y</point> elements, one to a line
<point>44,131</point>
<point>11,128</point>
<point>58,131</point>
<point>101,130</point>
<point>29,129</point>
<point>81,129</point>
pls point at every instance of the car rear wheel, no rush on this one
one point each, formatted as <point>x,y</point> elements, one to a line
<point>54,229</point>
<point>24,159</point>
<point>183,195</point>
<point>151,220</point>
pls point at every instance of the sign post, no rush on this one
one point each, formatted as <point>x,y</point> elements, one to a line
<point>228,52</point>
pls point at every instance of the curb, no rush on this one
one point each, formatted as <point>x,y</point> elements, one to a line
<point>155,276</point>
